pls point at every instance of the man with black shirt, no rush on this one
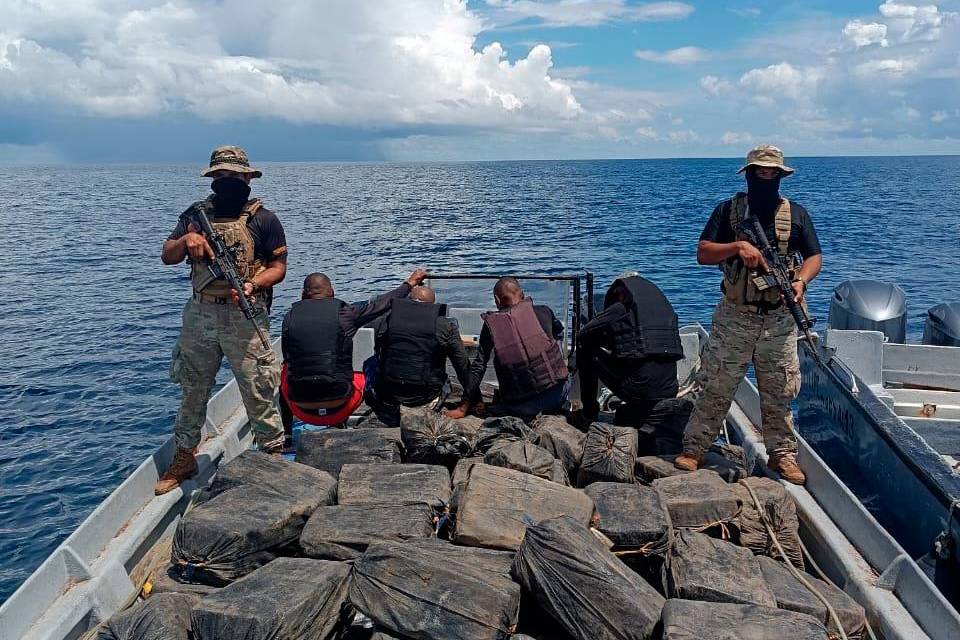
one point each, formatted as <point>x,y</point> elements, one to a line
<point>413,344</point>
<point>633,346</point>
<point>317,341</point>
<point>524,340</point>
<point>750,324</point>
<point>213,325</point>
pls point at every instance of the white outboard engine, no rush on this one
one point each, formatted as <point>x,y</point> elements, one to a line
<point>870,305</point>
<point>943,325</point>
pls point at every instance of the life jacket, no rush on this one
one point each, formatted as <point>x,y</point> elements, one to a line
<point>315,345</point>
<point>648,327</point>
<point>738,285</point>
<point>527,360</point>
<point>410,354</point>
<point>235,234</point>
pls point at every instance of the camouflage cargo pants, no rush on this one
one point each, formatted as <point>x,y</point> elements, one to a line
<point>736,339</point>
<point>210,332</point>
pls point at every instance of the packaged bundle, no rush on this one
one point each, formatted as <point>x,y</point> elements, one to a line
<point>394,484</point>
<point>503,429</point>
<point>689,620</point>
<point>236,532</point>
<point>432,438</point>
<point>698,500</point>
<point>527,457</point>
<point>289,479</point>
<point>583,586</point>
<point>704,568</point>
<point>343,532</point>
<point>780,511</point>
<point>632,516</point>
<point>168,580</point>
<point>561,439</point>
<point>164,616</point>
<point>416,591</point>
<point>288,599</point>
<point>721,460</point>
<point>609,454</point>
<point>497,504</point>
<point>330,449</point>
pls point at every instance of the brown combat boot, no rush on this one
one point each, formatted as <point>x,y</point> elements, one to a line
<point>184,466</point>
<point>785,463</point>
<point>686,462</point>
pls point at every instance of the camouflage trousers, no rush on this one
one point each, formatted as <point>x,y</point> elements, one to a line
<point>737,338</point>
<point>210,332</point>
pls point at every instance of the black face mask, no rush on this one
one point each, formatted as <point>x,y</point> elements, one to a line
<point>763,196</point>
<point>231,195</point>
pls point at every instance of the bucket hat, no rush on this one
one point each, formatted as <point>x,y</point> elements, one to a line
<point>766,155</point>
<point>230,158</point>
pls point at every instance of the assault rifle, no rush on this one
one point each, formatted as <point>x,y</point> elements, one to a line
<point>224,266</point>
<point>777,276</point>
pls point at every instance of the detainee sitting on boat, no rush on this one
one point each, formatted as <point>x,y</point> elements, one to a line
<point>318,383</point>
<point>524,340</point>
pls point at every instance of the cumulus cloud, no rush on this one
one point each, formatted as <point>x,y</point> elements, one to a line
<point>714,85</point>
<point>736,138</point>
<point>782,80</point>
<point>914,22</point>
<point>683,55</point>
<point>895,66</point>
<point>364,64</point>
<point>864,34</point>
<point>588,13</point>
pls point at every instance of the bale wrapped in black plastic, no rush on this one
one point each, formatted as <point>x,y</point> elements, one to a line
<point>722,461</point>
<point>503,429</point>
<point>780,511</point>
<point>689,620</point>
<point>289,479</point>
<point>609,454</point>
<point>459,480</point>
<point>330,449</point>
<point>288,599</point>
<point>632,516</point>
<point>432,438</point>
<point>497,504</point>
<point>490,560</point>
<point>561,439</point>
<point>168,580</point>
<point>704,568</point>
<point>792,595</point>
<point>416,592</point>
<point>236,532</point>
<point>699,500</point>
<point>164,616</point>
<point>343,532</point>
<point>527,457</point>
<point>582,585</point>
<point>394,484</point>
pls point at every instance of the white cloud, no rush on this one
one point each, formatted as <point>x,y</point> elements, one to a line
<point>736,138</point>
<point>939,116</point>
<point>683,55</point>
<point>864,34</point>
<point>588,13</point>
<point>914,22</point>
<point>894,66</point>
<point>782,80</point>
<point>684,136</point>
<point>647,133</point>
<point>342,62</point>
<point>714,85</point>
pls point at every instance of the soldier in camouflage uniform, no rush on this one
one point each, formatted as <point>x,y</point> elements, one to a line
<point>753,325</point>
<point>213,325</point>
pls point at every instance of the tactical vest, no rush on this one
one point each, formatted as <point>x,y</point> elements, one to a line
<point>316,347</point>
<point>649,327</point>
<point>235,234</point>
<point>528,361</point>
<point>409,351</point>
<point>738,283</point>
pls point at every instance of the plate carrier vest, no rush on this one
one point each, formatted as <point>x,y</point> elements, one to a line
<point>410,354</point>
<point>318,351</point>
<point>235,234</point>
<point>738,285</point>
<point>649,327</point>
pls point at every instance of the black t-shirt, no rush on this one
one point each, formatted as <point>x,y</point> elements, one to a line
<point>803,236</point>
<point>269,239</point>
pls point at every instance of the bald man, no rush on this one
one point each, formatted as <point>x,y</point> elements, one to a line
<point>318,336</point>
<point>413,344</point>
<point>524,340</point>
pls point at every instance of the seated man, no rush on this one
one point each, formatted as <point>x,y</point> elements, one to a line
<point>530,364</point>
<point>633,346</point>
<point>317,344</point>
<point>413,344</point>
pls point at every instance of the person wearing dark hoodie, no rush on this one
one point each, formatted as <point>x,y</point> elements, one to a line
<point>750,324</point>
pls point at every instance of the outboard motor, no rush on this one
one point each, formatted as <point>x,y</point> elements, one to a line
<point>870,305</point>
<point>943,325</point>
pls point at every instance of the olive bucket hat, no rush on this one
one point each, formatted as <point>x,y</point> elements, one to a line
<point>230,158</point>
<point>766,155</point>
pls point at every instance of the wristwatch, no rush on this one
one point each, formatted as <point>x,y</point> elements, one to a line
<point>800,279</point>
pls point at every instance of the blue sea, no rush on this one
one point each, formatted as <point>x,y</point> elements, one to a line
<point>89,313</point>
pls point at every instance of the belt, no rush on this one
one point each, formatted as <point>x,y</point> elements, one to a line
<point>760,308</point>
<point>211,299</point>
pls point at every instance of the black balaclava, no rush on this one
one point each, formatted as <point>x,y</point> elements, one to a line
<point>231,195</point>
<point>763,196</point>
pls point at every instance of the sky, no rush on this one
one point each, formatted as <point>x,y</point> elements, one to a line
<point>143,81</point>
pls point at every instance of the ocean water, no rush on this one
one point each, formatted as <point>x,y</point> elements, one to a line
<point>90,314</point>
